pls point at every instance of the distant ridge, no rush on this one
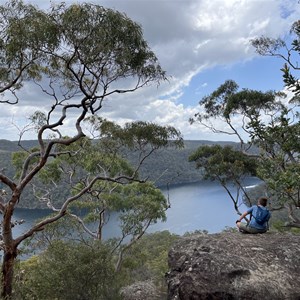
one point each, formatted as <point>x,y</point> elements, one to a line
<point>166,167</point>
<point>12,146</point>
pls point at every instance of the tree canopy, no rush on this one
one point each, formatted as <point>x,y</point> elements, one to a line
<point>80,56</point>
<point>285,50</point>
<point>228,166</point>
<point>267,126</point>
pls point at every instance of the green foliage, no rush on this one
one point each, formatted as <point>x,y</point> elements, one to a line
<point>284,182</point>
<point>122,52</point>
<point>118,187</point>
<point>84,270</point>
<point>267,124</point>
<point>19,158</point>
<point>286,50</point>
<point>140,133</point>
<point>250,103</point>
<point>226,101</point>
<point>78,55</point>
<point>214,103</point>
<point>224,164</point>
<point>279,165</point>
<point>38,119</point>
<point>140,204</point>
<point>148,258</point>
<point>165,166</point>
<point>25,30</point>
<point>64,229</point>
<point>135,135</point>
<point>279,226</point>
<point>70,271</point>
<point>197,231</point>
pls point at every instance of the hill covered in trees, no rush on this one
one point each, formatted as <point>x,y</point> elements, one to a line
<point>165,167</point>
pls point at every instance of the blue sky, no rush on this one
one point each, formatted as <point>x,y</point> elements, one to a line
<point>259,73</point>
<point>199,43</point>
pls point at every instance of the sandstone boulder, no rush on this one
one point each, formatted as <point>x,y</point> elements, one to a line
<point>142,290</point>
<point>235,266</point>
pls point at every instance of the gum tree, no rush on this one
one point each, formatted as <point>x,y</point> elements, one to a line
<point>228,166</point>
<point>268,130</point>
<point>22,38</point>
<point>283,171</point>
<point>287,51</point>
<point>117,154</point>
<point>80,56</point>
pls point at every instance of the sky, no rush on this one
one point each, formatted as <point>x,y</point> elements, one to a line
<point>200,44</point>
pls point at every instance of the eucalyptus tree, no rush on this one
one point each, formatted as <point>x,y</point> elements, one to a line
<point>22,38</point>
<point>79,55</point>
<point>228,166</point>
<point>117,154</point>
<point>285,50</point>
<point>282,172</point>
<point>238,111</point>
<point>267,129</point>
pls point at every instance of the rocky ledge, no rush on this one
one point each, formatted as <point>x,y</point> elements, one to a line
<point>235,266</point>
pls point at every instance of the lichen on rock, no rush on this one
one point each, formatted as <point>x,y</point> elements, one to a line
<point>141,290</point>
<point>235,266</point>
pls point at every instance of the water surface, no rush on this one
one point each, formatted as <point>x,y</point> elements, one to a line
<point>196,206</point>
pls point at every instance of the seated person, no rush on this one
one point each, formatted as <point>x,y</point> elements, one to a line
<point>260,216</point>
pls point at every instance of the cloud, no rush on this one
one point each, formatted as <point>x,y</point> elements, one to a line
<point>188,38</point>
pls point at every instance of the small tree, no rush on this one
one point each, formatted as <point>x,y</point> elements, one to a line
<point>227,166</point>
<point>69,270</point>
<point>80,55</point>
<point>138,203</point>
<point>89,268</point>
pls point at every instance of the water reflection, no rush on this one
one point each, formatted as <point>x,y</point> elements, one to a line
<point>196,206</point>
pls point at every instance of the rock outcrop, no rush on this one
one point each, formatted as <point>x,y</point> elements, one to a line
<point>235,266</point>
<point>142,290</point>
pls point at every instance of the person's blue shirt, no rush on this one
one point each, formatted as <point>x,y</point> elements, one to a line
<point>253,210</point>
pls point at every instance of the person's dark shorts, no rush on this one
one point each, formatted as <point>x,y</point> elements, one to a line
<point>245,228</point>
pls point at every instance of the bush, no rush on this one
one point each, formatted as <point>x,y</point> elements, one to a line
<point>69,271</point>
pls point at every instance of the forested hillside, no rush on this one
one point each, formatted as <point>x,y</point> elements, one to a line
<point>171,166</point>
<point>167,166</point>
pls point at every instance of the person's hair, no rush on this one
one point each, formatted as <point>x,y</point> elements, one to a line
<point>263,201</point>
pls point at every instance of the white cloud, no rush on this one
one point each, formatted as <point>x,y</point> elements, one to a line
<point>189,37</point>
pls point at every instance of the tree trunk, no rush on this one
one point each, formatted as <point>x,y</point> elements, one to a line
<point>101,224</point>
<point>9,249</point>
<point>295,221</point>
<point>10,255</point>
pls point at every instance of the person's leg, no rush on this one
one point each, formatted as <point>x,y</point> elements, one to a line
<point>245,228</point>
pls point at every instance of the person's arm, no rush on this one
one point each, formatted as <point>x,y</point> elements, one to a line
<point>243,216</point>
<point>249,211</point>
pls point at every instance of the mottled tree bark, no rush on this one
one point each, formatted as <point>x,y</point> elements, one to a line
<point>9,257</point>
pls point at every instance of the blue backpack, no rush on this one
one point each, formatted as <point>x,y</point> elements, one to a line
<point>261,216</point>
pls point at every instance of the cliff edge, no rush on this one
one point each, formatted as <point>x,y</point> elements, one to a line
<point>235,266</point>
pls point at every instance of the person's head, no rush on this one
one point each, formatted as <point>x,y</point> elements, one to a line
<point>263,201</point>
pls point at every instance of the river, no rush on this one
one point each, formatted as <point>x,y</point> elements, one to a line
<point>195,206</point>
